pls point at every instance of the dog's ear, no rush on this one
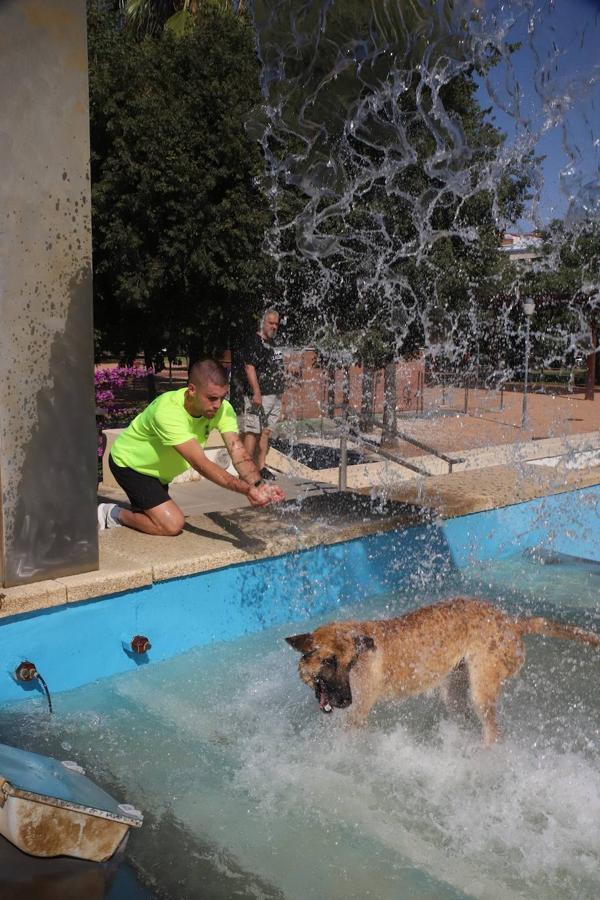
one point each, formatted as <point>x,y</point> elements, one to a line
<point>303,643</point>
<point>363,642</point>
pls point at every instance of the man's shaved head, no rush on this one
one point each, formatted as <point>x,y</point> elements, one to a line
<point>208,370</point>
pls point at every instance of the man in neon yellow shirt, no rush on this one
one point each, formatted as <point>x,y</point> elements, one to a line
<point>166,439</point>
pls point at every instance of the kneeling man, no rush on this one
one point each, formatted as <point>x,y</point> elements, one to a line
<point>166,439</point>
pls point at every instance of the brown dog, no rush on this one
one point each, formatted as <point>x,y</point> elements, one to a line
<point>360,663</point>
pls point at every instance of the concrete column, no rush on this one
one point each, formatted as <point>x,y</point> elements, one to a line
<point>47,408</point>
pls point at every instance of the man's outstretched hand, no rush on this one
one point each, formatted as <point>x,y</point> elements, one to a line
<point>265,494</point>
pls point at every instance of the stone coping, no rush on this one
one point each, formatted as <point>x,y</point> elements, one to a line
<point>129,559</point>
<point>214,540</point>
<point>477,490</point>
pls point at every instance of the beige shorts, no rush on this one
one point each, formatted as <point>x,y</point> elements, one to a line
<point>254,421</point>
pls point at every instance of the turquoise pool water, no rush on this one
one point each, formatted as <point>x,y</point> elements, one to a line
<point>249,791</point>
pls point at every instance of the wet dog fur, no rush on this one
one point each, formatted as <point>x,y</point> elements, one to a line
<point>358,664</point>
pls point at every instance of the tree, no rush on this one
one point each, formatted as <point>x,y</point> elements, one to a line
<point>566,286</point>
<point>178,222</point>
<point>150,17</point>
<point>390,188</point>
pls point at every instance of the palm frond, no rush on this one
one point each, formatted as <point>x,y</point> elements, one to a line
<point>148,16</point>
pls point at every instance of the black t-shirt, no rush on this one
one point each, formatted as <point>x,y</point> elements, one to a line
<point>267,359</point>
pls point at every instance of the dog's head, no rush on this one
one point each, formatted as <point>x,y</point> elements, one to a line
<point>328,655</point>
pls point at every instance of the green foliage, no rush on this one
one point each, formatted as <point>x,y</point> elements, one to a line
<point>572,262</point>
<point>566,287</point>
<point>413,257</point>
<point>178,217</point>
<point>145,17</point>
<point>177,220</point>
<point>150,17</point>
<point>568,377</point>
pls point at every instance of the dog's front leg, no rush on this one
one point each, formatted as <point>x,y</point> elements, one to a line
<point>365,694</point>
<point>356,718</point>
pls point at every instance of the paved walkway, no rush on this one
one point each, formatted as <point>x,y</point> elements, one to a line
<point>486,424</point>
<point>221,529</point>
<point>445,426</point>
<point>484,436</point>
<point>491,419</point>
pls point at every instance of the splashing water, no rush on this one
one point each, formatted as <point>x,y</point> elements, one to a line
<point>249,791</point>
<point>390,188</point>
<point>401,140</point>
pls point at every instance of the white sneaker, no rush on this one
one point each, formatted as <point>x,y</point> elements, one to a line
<point>105,518</point>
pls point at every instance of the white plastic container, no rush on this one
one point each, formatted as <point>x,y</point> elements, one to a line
<point>49,808</point>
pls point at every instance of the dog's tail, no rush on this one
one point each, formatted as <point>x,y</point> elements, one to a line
<point>548,628</point>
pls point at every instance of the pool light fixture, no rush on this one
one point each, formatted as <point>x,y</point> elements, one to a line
<point>140,644</point>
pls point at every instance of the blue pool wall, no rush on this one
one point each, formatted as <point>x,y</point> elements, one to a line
<point>74,644</point>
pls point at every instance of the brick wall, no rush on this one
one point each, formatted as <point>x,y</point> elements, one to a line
<point>306,394</point>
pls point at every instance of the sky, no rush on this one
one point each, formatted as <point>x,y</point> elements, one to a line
<point>544,93</point>
<point>557,70</point>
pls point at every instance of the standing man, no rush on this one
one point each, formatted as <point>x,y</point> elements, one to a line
<point>259,378</point>
<point>166,439</point>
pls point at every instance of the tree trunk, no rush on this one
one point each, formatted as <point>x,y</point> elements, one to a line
<point>345,392</point>
<point>150,377</point>
<point>590,381</point>
<point>195,349</point>
<point>330,370</point>
<point>130,353</point>
<point>367,407</point>
<point>389,404</point>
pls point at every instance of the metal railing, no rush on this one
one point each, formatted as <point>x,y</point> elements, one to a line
<point>346,431</point>
<point>492,381</point>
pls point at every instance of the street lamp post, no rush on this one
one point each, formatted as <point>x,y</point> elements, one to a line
<point>528,309</point>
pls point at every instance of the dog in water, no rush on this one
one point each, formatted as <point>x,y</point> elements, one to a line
<point>360,663</point>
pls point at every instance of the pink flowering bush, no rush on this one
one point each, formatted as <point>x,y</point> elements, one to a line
<point>109,382</point>
<point>110,386</point>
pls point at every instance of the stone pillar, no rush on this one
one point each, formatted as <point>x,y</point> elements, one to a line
<point>47,408</point>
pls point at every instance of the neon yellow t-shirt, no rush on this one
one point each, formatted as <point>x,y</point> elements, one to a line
<point>147,444</point>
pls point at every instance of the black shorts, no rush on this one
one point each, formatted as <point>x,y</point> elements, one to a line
<point>144,491</point>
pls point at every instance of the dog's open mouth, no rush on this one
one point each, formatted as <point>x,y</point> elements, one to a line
<point>324,703</point>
